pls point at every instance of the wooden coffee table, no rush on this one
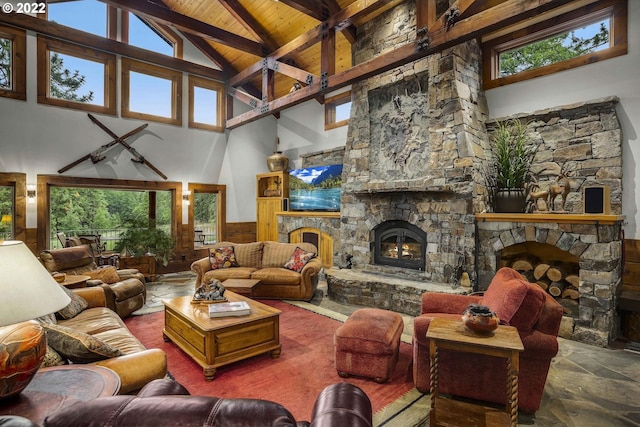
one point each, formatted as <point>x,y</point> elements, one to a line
<point>243,287</point>
<point>503,342</point>
<point>60,386</point>
<point>217,342</point>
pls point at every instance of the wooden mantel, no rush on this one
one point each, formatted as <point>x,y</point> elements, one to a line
<point>550,217</point>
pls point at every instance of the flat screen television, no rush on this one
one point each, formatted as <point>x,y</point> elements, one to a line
<point>315,188</point>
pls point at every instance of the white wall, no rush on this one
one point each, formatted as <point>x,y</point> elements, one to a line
<point>614,77</point>
<point>40,139</point>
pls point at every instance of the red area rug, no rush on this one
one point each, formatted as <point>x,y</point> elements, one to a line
<point>294,380</point>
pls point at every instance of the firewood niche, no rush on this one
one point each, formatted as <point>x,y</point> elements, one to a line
<point>554,270</point>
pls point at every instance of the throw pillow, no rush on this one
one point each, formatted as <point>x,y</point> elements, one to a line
<point>108,274</point>
<point>52,358</point>
<point>299,259</point>
<point>77,346</point>
<point>75,307</point>
<point>222,257</point>
<point>505,294</point>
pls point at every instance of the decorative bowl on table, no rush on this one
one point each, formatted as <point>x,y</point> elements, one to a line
<point>480,319</point>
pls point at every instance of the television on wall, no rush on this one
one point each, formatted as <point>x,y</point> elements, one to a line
<point>315,188</point>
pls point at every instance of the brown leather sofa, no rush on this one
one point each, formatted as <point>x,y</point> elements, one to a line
<point>518,303</point>
<point>138,365</point>
<point>124,296</point>
<point>166,403</point>
<point>264,261</point>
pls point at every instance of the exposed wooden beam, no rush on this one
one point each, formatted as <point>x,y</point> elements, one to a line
<point>352,12</point>
<point>227,68</point>
<point>506,13</point>
<point>42,26</point>
<point>160,13</point>
<point>249,23</point>
<point>293,72</point>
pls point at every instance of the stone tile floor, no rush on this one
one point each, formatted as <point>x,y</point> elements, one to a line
<point>586,386</point>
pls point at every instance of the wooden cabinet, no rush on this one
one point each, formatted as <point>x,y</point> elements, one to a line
<point>145,264</point>
<point>272,189</point>
<point>320,239</point>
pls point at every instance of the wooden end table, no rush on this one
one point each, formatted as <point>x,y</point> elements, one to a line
<point>60,386</point>
<point>74,281</point>
<point>216,342</point>
<point>504,342</point>
<point>243,287</point>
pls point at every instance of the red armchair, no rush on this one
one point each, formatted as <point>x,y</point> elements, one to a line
<point>527,307</point>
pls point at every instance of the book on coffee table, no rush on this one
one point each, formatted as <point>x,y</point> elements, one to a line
<point>233,308</point>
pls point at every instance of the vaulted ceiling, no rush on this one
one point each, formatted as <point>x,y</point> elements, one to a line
<point>263,47</point>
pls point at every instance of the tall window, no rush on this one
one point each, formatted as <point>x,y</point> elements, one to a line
<point>151,36</point>
<point>337,110</point>
<point>12,206</point>
<point>84,15</point>
<point>583,36</point>
<point>78,211</point>
<point>207,213</point>
<point>150,92</point>
<point>76,77</point>
<point>6,212</point>
<point>13,51</point>
<point>206,104</point>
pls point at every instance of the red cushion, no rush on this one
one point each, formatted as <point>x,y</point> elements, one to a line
<point>505,294</point>
<point>530,309</point>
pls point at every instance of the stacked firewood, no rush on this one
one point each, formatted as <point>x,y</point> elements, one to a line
<point>559,278</point>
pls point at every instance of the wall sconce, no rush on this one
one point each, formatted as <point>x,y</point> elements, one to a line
<point>186,197</point>
<point>31,194</point>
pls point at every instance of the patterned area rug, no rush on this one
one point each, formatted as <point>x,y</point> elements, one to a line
<point>295,379</point>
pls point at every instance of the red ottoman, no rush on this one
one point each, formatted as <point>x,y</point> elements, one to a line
<point>367,344</point>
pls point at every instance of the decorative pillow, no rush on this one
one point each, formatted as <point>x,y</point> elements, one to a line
<point>222,257</point>
<point>108,274</point>
<point>299,259</point>
<point>52,358</point>
<point>47,318</point>
<point>75,307</point>
<point>77,346</point>
<point>505,294</point>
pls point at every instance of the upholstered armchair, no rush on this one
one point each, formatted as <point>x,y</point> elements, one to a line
<point>527,307</point>
<point>125,290</point>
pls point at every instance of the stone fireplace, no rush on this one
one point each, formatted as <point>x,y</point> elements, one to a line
<point>416,153</point>
<point>399,244</point>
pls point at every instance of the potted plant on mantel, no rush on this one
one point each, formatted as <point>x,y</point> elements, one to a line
<point>513,154</point>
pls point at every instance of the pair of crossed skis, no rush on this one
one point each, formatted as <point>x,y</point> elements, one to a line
<point>98,154</point>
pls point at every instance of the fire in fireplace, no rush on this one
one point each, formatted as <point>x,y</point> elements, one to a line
<point>400,244</point>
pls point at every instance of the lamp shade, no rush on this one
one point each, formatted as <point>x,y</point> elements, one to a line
<point>27,288</point>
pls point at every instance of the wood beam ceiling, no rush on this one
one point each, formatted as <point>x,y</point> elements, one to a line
<point>455,31</point>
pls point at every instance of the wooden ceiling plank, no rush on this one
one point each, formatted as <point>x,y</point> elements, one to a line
<point>257,30</point>
<point>48,28</point>
<point>506,13</point>
<point>185,23</point>
<point>343,18</point>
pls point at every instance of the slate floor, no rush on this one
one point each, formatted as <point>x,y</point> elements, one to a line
<point>586,386</point>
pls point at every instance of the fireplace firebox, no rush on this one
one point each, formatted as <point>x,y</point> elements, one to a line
<point>400,244</point>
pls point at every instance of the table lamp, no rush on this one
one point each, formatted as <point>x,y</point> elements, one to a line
<point>27,291</point>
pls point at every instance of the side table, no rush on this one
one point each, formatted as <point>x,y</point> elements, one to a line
<point>60,386</point>
<point>243,287</point>
<point>74,281</point>
<point>453,335</point>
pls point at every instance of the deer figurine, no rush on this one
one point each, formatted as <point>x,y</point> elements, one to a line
<point>535,194</point>
<point>561,187</point>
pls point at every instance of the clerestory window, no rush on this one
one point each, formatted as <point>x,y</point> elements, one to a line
<point>582,36</point>
<point>13,51</point>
